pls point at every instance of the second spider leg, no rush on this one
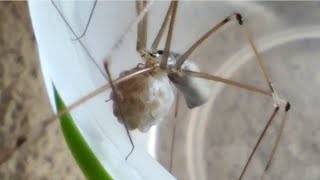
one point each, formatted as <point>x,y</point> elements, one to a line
<point>117,103</point>
<point>8,154</point>
<point>142,29</point>
<point>88,22</point>
<point>164,60</point>
<point>214,29</point>
<point>275,111</point>
<point>277,101</point>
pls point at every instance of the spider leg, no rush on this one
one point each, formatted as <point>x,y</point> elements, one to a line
<point>275,145</point>
<point>117,103</point>
<point>176,106</point>
<point>238,17</point>
<point>184,72</point>
<point>79,40</point>
<point>156,41</point>
<point>275,111</point>
<point>74,105</point>
<point>142,28</point>
<point>185,55</point>
<point>164,60</point>
<point>8,154</point>
<point>174,130</point>
<point>276,99</point>
<point>88,22</point>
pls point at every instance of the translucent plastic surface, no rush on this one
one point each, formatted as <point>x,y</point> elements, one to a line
<point>212,141</point>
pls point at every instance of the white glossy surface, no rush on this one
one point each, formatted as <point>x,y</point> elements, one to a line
<point>66,65</point>
<point>212,141</point>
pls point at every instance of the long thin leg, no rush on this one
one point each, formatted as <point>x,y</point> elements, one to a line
<point>274,94</point>
<point>74,105</point>
<point>258,57</point>
<point>88,22</point>
<point>174,131</point>
<point>164,60</point>
<point>184,56</point>
<point>117,103</point>
<point>142,28</point>
<point>285,117</point>
<point>184,72</point>
<point>105,87</point>
<point>239,18</point>
<point>176,107</point>
<point>119,41</point>
<point>47,121</point>
<point>99,91</point>
<point>156,41</point>
<point>172,145</point>
<point>8,154</point>
<point>275,111</point>
<point>75,35</point>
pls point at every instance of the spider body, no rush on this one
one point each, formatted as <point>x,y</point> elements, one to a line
<point>142,96</point>
<point>147,98</point>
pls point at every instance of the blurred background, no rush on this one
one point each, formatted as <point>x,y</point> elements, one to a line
<point>24,105</point>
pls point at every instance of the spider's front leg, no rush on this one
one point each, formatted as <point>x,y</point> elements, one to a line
<point>142,28</point>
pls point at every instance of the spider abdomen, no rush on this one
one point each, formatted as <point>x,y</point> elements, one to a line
<point>144,100</point>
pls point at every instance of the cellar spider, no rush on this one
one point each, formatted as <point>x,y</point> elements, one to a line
<point>133,88</point>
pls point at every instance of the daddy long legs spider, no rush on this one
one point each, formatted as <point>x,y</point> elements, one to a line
<point>184,76</point>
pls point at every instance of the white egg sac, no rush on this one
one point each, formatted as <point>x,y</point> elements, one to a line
<point>143,100</point>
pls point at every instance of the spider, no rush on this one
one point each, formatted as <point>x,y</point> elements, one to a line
<point>142,96</point>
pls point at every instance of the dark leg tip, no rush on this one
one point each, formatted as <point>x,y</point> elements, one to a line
<point>130,152</point>
<point>20,141</point>
<point>267,168</point>
<point>288,106</point>
<point>239,18</point>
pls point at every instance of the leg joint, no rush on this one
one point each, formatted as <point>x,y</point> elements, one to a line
<point>288,106</point>
<point>239,18</point>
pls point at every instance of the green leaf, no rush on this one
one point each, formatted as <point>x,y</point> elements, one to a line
<point>87,161</point>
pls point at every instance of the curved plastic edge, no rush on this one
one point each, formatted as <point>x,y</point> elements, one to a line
<point>85,158</point>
